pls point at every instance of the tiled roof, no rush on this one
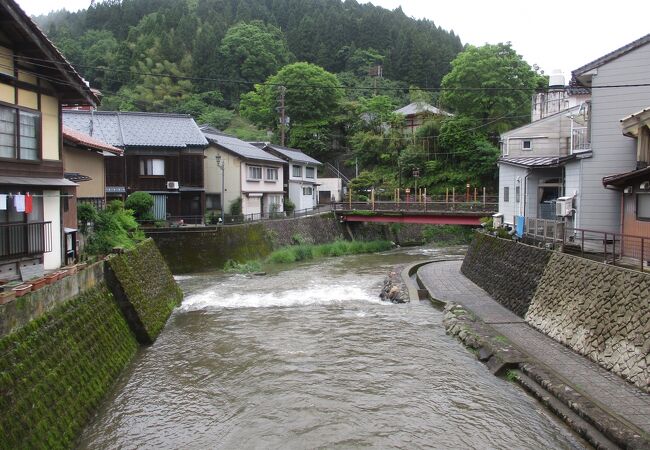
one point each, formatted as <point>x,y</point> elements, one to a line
<point>240,148</point>
<point>420,107</point>
<point>83,139</point>
<point>137,129</point>
<point>22,31</point>
<point>76,177</point>
<point>290,154</point>
<point>536,161</point>
<point>612,55</point>
<point>624,179</point>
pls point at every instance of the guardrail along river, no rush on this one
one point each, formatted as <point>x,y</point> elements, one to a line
<point>309,357</point>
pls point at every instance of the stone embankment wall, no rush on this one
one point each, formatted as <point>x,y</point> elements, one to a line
<point>600,311</point>
<point>55,368</point>
<point>508,271</point>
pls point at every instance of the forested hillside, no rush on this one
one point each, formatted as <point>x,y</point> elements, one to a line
<point>187,38</point>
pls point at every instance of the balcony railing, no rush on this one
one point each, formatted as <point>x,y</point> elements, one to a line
<point>25,239</point>
<point>580,139</point>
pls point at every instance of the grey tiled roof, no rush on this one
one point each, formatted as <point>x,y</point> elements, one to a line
<point>240,148</point>
<point>420,107</point>
<point>289,154</point>
<point>137,129</point>
<point>536,161</point>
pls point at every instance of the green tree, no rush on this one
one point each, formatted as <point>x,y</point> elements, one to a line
<point>251,52</point>
<point>312,99</point>
<point>491,83</point>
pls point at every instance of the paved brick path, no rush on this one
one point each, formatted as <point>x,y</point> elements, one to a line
<point>445,282</point>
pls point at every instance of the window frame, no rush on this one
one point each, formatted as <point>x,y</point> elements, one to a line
<point>248,173</point>
<point>310,188</point>
<point>275,171</point>
<point>523,145</point>
<point>293,171</point>
<point>16,143</point>
<point>313,173</point>
<point>636,209</point>
<point>144,165</point>
<point>506,194</point>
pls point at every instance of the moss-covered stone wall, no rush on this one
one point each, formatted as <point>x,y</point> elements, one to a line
<point>195,250</point>
<point>55,370</point>
<point>144,288</point>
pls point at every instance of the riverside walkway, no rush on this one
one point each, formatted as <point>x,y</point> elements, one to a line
<point>611,393</point>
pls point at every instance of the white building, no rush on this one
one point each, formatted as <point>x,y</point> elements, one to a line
<point>250,174</point>
<point>300,171</point>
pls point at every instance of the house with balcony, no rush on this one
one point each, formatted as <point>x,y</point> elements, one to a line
<point>32,183</point>
<point>587,144</point>
<point>300,172</point>
<point>163,155</point>
<point>243,172</point>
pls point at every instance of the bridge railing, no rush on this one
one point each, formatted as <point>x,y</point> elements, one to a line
<point>430,205</point>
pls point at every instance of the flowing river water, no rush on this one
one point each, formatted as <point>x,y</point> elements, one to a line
<point>309,357</point>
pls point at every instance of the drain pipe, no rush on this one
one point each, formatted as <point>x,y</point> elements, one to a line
<point>525,193</point>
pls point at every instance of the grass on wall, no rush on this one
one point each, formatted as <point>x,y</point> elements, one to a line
<point>303,252</point>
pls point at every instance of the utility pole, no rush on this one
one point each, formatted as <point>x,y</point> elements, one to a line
<point>283,91</point>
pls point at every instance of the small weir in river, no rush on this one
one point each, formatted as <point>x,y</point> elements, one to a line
<point>309,357</point>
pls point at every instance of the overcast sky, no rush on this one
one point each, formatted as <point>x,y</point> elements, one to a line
<point>554,34</point>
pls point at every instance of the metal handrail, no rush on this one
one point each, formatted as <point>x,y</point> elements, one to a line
<point>25,239</point>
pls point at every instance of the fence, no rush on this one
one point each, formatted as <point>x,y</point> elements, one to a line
<point>423,204</point>
<point>610,248</point>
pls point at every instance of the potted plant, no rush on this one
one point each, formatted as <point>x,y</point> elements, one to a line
<point>7,296</point>
<point>51,277</point>
<point>38,283</point>
<point>22,289</point>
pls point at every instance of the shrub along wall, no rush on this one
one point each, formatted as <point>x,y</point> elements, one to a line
<point>507,270</point>
<point>55,370</point>
<point>144,288</point>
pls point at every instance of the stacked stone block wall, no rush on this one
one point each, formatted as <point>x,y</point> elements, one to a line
<point>600,311</point>
<point>508,271</point>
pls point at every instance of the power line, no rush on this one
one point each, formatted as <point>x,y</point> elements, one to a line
<point>31,60</point>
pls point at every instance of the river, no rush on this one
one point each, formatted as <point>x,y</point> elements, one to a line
<point>309,357</point>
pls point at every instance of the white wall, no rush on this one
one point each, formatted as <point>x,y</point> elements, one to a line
<point>332,185</point>
<point>299,199</point>
<point>508,178</point>
<point>52,213</point>
<point>232,173</point>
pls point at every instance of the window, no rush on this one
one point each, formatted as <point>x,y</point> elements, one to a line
<point>309,172</point>
<point>296,171</point>
<point>254,173</point>
<point>19,133</point>
<point>271,174</point>
<point>212,201</point>
<point>643,206</point>
<point>517,194</point>
<point>307,190</point>
<point>153,167</point>
<point>506,194</point>
<point>527,144</point>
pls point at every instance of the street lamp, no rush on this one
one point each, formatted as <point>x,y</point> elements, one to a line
<point>416,175</point>
<point>220,165</point>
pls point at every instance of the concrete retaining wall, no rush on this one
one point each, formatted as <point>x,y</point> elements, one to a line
<point>600,311</point>
<point>508,271</point>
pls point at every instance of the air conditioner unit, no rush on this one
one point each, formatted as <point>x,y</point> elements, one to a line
<point>564,206</point>
<point>172,185</point>
<point>644,186</point>
<point>628,190</point>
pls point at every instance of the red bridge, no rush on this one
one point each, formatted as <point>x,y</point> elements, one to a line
<point>429,212</point>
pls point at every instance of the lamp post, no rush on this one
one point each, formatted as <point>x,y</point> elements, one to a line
<point>220,165</point>
<point>416,175</point>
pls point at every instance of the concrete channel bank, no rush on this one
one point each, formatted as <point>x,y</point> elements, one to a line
<point>570,331</point>
<point>62,347</point>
